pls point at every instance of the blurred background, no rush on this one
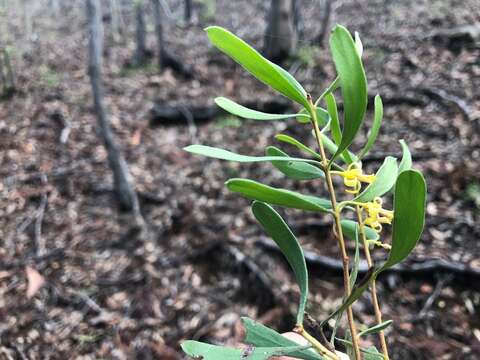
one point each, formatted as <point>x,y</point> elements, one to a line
<point>124,250</point>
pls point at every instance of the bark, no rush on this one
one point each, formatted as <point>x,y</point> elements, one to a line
<point>159,33</point>
<point>327,10</point>
<point>10,76</point>
<point>125,193</point>
<point>165,58</point>
<point>7,76</point>
<point>281,36</point>
<point>3,78</point>
<point>141,34</point>
<point>188,11</point>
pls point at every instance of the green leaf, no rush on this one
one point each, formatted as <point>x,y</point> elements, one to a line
<point>406,162</point>
<point>346,156</point>
<point>371,353</point>
<point>323,117</point>
<point>384,181</point>
<point>376,329</point>
<point>281,197</point>
<point>358,44</point>
<point>223,154</point>
<point>199,350</point>
<point>377,122</point>
<point>356,259</point>
<point>353,84</point>
<point>263,69</point>
<point>260,335</point>
<point>278,230</point>
<point>292,141</point>
<point>330,89</point>
<point>348,229</point>
<point>294,170</point>
<point>333,111</point>
<point>335,126</point>
<point>357,291</point>
<point>241,111</point>
<point>409,215</point>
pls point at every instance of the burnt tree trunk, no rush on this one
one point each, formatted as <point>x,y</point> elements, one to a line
<point>280,36</point>
<point>188,11</point>
<point>123,188</point>
<point>7,76</point>
<point>140,56</point>
<point>165,58</point>
<point>327,10</point>
<point>159,33</point>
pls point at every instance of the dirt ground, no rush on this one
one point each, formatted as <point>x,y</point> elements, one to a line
<point>108,296</point>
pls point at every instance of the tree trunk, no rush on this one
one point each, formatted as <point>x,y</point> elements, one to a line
<point>188,11</point>
<point>141,34</point>
<point>3,78</point>
<point>280,37</point>
<point>124,191</point>
<point>327,10</point>
<point>10,76</point>
<point>159,33</point>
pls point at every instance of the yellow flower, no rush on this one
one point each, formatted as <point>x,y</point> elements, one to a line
<point>353,178</point>
<point>376,215</point>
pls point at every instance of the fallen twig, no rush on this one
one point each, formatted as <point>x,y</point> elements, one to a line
<point>40,244</point>
<point>426,266</point>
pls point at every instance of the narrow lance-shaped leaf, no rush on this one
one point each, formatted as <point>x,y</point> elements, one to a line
<point>295,170</point>
<point>357,291</point>
<point>406,162</point>
<point>241,111</point>
<point>223,154</point>
<point>353,83</point>
<point>260,335</point>
<point>278,230</point>
<point>323,117</point>
<point>348,229</point>
<point>376,329</point>
<point>292,141</point>
<point>409,215</point>
<point>199,350</point>
<point>263,69</point>
<point>356,259</point>
<point>257,191</point>
<point>335,126</point>
<point>370,353</point>
<point>377,122</point>
<point>333,111</point>
<point>384,181</point>
<point>358,44</point>
<point>331,147</point>
<point>330,89</point>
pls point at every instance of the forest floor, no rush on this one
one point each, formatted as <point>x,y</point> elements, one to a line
<point>106,296</point>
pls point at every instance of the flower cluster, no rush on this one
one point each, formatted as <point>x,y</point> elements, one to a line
<point>353,178</point>
<point>377,215</point>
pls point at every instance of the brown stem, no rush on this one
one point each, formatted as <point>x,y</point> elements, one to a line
<point>373,287</point>
<point>338,227</point>
<point>316,344</point>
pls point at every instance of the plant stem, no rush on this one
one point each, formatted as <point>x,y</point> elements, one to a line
<point>338,228</point>
<point>373,288</point>
<point>322,350</point>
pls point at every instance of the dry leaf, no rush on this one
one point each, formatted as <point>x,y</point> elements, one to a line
<point>136,137</point>
<point>4,274</point>
<point>35,281</point>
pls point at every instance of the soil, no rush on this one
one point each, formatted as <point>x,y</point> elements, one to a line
<point>108,295</point>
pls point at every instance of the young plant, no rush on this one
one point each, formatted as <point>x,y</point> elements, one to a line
<point>362,196</point>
